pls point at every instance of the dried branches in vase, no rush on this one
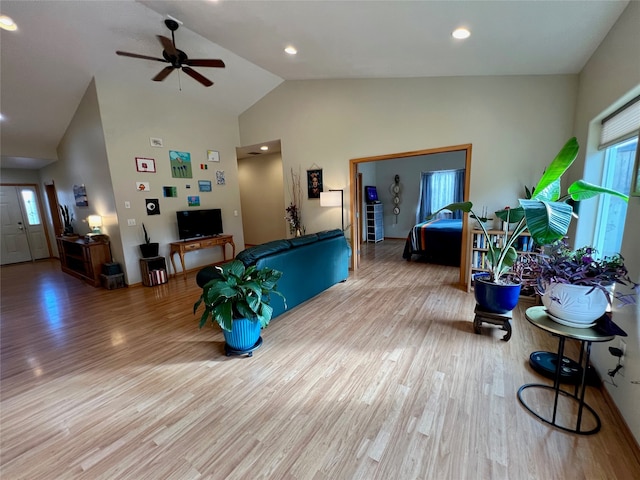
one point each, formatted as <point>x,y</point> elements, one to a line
<point>294,210</point>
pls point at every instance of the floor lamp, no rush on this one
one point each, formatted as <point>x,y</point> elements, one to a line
<point>333,198</point>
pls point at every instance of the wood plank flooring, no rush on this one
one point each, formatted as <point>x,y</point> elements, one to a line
<point>380,377</point>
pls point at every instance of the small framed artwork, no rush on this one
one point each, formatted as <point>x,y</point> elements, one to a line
<point>635,187</point>
<point>171,192</point>
<point>180,164</point>
<point>220,179</point>
<point>153,206</point>
<point>193,200</point>
<point>314,183</point>
<point>213,155</point>
<point>80,195</point>
<point>204,185</point>
<point>145,165</point>
<point>155,142</point>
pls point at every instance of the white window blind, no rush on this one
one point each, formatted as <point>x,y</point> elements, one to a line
<point>622,124</point>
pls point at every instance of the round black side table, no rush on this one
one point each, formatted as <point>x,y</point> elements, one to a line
<point>538,317</point>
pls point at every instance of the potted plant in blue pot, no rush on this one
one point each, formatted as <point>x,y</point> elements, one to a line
<point>546,215</point>
<point>238,300</point>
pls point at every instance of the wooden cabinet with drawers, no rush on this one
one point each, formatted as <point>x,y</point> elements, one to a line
<point>83,260</point>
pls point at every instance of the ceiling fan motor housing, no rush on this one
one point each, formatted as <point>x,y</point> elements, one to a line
<point>171,24</point>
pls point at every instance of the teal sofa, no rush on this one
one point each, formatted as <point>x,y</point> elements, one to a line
<point>309,264</point>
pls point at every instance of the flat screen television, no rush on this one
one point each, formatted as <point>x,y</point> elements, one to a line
<point>371,194</point>
<point>199,223</point>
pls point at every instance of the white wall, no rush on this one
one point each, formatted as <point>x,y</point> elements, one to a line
<point>261,181</point>
<point>516,125</point>
<point>130,117</point>
<point>19,175</point>
<point>610,78</point>
<point>83,161</point>
<point>409,169</point>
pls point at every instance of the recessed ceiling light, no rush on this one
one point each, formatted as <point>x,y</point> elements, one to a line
<point>1,117</point>
<point>291,50</point>
<point>461,33</point>
<point>7,23</point>
<point>264,148</point>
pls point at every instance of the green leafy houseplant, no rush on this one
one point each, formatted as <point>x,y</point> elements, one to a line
<point>560,264</point>
<point>239,292</point>
<point>546,214</point>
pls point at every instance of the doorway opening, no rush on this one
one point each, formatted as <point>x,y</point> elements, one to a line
<point>356,195</point>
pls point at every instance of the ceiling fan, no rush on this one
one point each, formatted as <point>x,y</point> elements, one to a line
<point>177,58</point>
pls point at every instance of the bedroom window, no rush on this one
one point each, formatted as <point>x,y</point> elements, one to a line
<point>437,189</point>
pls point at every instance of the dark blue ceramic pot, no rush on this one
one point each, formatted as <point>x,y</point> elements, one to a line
<point>494,297</point>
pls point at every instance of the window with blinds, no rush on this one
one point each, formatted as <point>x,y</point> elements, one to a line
<point>622,124</point>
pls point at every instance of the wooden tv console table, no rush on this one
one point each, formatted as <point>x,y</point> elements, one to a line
<point>199,244</point>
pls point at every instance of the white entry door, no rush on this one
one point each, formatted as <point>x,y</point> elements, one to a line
<point>22,235</point>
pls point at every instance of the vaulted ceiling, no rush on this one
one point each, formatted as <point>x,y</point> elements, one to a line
<point>47,64</point>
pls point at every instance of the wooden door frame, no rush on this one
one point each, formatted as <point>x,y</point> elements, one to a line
<point>353,194</point>
<point>54,208</point>
<point>36,187</point>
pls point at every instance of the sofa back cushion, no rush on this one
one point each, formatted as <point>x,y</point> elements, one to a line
<point>329,234</point>
<point>252,254</point>
<point>304,240</point>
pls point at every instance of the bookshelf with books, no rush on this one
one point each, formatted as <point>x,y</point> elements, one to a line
<point>478,251</point>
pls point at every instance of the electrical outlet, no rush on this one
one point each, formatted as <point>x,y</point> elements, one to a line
<point>131,222</point>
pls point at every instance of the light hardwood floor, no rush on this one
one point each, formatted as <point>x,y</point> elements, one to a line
<point>380,377</point>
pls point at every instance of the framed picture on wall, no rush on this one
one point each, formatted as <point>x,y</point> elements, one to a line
<point>314,183</point>
<point>80,195</point>
<point>145,165</point>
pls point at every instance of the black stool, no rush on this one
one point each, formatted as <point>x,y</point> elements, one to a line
<point>501,319</point>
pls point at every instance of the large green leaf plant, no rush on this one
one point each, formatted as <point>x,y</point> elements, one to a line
<point>239,292</point>
<point>546,214</point>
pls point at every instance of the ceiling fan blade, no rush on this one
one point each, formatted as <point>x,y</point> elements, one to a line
<point>164,73</point>
<point>203,62</point>
<point>136,55</point>
<point>195,75</point>
<point>168,46</point>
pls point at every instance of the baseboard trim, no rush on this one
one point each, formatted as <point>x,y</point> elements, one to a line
<point>627,431</point>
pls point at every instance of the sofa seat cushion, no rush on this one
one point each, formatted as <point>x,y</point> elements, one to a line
<point>252,254</point>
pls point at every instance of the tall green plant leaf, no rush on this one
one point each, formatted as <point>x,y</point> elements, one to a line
<point>512,215</point>
<point>581,190</point>
<point>558,166</point>
<point>547,221</point>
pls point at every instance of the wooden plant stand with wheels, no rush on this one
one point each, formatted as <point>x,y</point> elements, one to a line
<point>501,319</point>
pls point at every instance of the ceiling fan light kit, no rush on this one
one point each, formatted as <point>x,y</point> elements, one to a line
<point>177,59</point>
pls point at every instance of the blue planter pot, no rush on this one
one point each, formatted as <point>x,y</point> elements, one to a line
<point>244,334</point>
<point>493,297</point>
